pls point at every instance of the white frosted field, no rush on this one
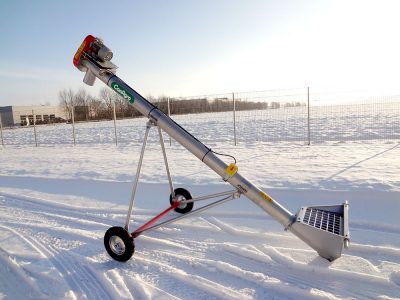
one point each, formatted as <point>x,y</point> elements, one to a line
<point>57,201</point>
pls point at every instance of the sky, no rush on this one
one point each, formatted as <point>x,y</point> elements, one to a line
<point>186,48</point>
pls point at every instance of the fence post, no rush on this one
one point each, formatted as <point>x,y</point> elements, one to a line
<point>115,125</point>
<point>169,115</point>
<point>34,127</point>
<point>234,118</point>
<point>308,116</point>
<point>73,125</point>
<point>1,131</point>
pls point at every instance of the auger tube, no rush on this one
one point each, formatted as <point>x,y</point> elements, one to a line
<point>194,146</point>
<point>324,228</point>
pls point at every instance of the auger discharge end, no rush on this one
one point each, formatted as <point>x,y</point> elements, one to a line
<point>93,49</point>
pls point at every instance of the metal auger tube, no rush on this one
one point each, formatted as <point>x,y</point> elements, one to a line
<point>194,146</point>
<point>324,228</point>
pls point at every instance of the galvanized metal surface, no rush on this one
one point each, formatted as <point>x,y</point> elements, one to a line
<point>328,244</point>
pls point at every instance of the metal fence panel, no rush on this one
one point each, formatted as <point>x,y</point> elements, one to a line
<point>295,115</point>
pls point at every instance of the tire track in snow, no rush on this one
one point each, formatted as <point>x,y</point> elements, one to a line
<point>132,286</point>
<point>78,275</point>
<point>376,252</point>
<point>270,278</point>
<point>258,284</point>
<point>216,263</point>
<point>44,221</point>
<point>119,285</point>
<point>343,283</point>
<point>42,252</point>
<point>147,290</point>
<point>15,283</point>
<point>296,274</point>
<point>159,283</point>
<point>219,270</point>
<point>73,270</point>
<point>284,264</point>
<point>195,285</point>
<point>26,285</point>
<point>83,283</point>
<point>37,206</point>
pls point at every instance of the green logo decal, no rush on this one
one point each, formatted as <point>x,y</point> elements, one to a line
<point>122,92</point>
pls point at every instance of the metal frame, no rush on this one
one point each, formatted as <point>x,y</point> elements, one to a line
<point>135,183</point>
<point>148,226</point>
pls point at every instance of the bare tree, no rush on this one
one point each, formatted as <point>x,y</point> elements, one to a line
<point>95,107</point>
<point>67,98</point>
<point>121,106</point>
<point>81,101</point>
<point>108,97</point>
<point>81,97</point>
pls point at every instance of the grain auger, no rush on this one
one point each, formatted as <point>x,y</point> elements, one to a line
<point>323,228</point>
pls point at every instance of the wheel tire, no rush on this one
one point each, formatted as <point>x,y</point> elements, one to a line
<point>182,194</point>
<point>119,243</point>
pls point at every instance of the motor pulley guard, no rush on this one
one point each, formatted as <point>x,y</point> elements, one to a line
<point>94,50</point>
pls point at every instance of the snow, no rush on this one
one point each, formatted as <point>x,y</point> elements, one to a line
<point>57,201</point>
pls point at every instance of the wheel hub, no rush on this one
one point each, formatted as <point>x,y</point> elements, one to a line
<point>180,199</point>
<point>117,245</point>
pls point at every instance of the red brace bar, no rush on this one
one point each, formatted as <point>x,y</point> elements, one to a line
<point>145,226</point>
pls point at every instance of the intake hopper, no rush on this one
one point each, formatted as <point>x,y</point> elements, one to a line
<point>324,228</point>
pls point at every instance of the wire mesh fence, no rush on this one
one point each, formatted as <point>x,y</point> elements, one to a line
<point>292,115</point>
<point>377,120</point>
<point>303,115</point>
<point>284,118</point>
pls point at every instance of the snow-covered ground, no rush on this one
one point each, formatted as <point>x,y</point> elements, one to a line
<point>56,202</point>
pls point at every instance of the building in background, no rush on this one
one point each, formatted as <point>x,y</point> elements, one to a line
<point>27,115</point>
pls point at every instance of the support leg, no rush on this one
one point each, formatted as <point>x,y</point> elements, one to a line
<point>171,187</point>
<point>135,184</point>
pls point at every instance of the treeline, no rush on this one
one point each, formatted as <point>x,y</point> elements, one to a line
<point>201,105</point>
<point>87,107</point>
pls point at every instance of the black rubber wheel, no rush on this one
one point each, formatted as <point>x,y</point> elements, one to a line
<point>119,243</point>
<point>182,194</point>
